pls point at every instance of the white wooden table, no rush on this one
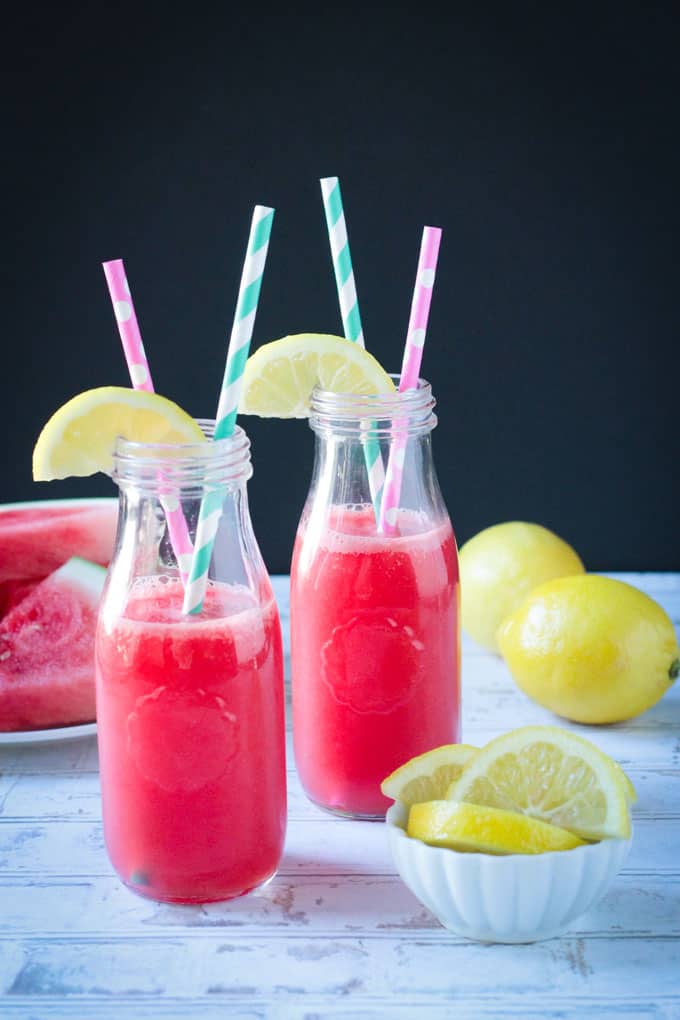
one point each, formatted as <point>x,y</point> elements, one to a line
<point>336,933</point>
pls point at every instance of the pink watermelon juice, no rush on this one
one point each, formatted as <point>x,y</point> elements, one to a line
<point>374,630</point>
<point>190,726</point>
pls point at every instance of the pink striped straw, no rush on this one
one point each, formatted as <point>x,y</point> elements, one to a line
<point>410,372</point>
<point>140,376</point>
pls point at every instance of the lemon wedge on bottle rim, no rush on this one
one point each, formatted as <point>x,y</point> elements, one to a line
<point>80,437</point>
<point>280,376</point>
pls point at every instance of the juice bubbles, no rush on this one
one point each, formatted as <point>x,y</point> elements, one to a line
<point>375,631</point>
<point>376,657</point>
<point>192,767</point>
<point>190,707</point>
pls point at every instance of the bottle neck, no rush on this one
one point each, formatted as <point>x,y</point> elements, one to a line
<point>375,415</point>
<point>162,495</point>
<point>355,437</point>
<point>189,469</point>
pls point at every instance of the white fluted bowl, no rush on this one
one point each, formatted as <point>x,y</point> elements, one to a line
<point>516,898</point>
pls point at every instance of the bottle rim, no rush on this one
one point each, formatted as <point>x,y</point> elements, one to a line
<point>218,462</point>
<point>348,413</point>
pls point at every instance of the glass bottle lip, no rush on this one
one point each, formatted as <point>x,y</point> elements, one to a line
<point>218,462</point>
<point>412,410</point>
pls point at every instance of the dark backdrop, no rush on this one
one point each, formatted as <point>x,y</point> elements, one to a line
<point>545,145</point>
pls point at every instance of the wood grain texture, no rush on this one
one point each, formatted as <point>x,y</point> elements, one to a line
<point>336,934</point>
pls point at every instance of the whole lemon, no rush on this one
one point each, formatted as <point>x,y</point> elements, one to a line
<point>500,566</point>
<point>591,649</point>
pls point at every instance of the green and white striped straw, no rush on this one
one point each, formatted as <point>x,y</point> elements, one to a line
<point>351,318</point>
<point>227,408</point>
<point>342,260</point>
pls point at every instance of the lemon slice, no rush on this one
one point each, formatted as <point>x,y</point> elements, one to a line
<point>487,830</point>
<point>79,438</point>
<point>429,775</point>
<point>630,791</point>
<point>279,377</point>
<point>550,774</point>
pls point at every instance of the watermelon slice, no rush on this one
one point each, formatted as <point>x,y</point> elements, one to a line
<point>12,592</point>
<point>47,651</point>
<point>37,538</point>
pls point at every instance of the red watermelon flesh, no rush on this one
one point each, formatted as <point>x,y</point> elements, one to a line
<point>12,592</point>
<point>47,651</point>
<point>35,540</point>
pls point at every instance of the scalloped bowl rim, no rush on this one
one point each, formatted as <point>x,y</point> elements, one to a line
<point>438,876</point>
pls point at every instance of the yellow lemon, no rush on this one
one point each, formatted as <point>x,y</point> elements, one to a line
<point>280,376</point>
<point>591,649</point>
<point>474,829</point>
<point>428,776</point>
<point>500,566</point>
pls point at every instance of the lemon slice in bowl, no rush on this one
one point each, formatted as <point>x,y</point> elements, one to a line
<point>428,776</point>
<point>631,792</point>
<point>279,377</point>
<point>471,828</point>
<point>550,774</point>
<point>80,436</point>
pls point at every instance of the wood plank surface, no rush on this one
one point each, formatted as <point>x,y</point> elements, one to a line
<point>336,934</point>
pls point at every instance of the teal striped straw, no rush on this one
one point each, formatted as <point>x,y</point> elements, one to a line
<point>227,408</point>
<point>342,260</point>
<point>351,319</point>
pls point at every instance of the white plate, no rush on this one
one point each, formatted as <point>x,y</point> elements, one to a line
<point>62,732</point>
<point>49,736</point>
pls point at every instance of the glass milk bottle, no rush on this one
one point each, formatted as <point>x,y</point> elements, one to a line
<point>190,708</point>
<point>374,616</point>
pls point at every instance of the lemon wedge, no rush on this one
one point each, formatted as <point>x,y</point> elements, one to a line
<point>80,436</point>
<point>279,377</point>
<point>428,776</point>
<point>550,774</point>
<point>631,792</point>
<point>487,830</point>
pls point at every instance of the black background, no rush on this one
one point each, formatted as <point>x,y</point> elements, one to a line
<point>542,140</point>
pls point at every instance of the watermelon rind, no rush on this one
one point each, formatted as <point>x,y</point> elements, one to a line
<point>84,574</point>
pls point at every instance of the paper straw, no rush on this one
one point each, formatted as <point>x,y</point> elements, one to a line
<point>342,260</point>
<point>140,376</point>
<point>410,371</point>
<point>227,408</point>
<point>351,319</point>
